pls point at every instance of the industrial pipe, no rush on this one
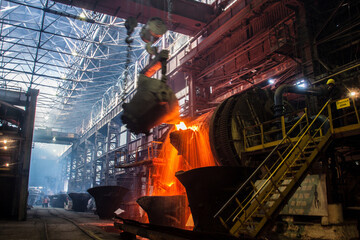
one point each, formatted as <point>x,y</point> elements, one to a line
<point>278,97</point>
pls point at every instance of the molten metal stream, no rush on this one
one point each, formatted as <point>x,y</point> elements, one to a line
<point>196,152</point>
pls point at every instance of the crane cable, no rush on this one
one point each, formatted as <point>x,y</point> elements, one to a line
<point>130,25</point>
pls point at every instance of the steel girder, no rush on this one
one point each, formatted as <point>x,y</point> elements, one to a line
<point>183,16</point>
<point>54,48</point>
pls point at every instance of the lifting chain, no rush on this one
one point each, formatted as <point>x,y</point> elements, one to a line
<point>130,25</point>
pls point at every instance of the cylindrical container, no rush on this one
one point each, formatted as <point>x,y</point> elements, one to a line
<point>208,189</point>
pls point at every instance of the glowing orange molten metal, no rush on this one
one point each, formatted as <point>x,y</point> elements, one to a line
<point>182,126</point>
<point>195,153</point>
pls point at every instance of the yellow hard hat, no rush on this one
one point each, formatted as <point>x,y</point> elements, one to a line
<point>330,81</point>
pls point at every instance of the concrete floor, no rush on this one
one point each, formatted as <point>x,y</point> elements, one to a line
<point>57,223</point>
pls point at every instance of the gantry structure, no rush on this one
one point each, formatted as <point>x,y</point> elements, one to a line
<point>74,57</point>
<point>77,57</point>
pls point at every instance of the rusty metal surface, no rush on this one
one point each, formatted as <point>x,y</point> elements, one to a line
<point>208,189</point>
<point>108,199</point>
<point>58,200</point>
<point>156,232</point>
<point>169,211</point>
<point>79,201</point>
<point>187,17</point>
<point>229,120</point>
<point>154,103</point>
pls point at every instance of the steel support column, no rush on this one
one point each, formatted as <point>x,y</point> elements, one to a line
<point>98,161</point>
<point>25,155</point>
<point>89,156</point>
<point>191,84</point>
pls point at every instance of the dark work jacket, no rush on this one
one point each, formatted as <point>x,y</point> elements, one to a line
<point>334,93</point>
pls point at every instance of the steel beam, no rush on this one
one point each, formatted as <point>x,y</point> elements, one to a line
<point>183,16</point>
<point>25,153</point>
<point>48,135</point>
<point>13,97</point>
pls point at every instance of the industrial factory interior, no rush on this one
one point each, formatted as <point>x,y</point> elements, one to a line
<point>179,119</point>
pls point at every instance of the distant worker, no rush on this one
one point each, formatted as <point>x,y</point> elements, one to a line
<point>46,202</point>
<point>334,93</point>
<point>333,90</point>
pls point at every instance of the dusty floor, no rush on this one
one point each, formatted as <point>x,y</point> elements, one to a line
<point>56,223</point>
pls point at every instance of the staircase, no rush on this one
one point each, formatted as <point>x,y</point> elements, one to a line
<point>268,189</point>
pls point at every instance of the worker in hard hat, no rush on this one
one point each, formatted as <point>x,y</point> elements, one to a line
<point>333,90</point>
<point>334,93</point>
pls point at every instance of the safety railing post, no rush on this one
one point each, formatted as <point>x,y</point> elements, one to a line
<point>149,151</point>
<point>245,140</point>
<point>330,118</point>
<point>356,112</point>
<point>283,130</point>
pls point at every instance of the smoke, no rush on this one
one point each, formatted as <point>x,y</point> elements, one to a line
<point>46,167</point>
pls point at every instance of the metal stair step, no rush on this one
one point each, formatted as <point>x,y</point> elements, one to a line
<point>251,223</point>
<point>294,156</point>
<point>284,185</point>
<point>297,165</point>
<point>301,160</point>
<point>307,154</point>
<point>258,215</point>
<point>290,174</point>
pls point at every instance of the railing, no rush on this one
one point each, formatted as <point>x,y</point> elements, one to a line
<point>268,187</point>
<point>148,151</point>
<point>258,170</point>
<point>270,133</point>
<point>345,116</point>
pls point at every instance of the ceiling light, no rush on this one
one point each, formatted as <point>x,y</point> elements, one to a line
<point>7,164</point>
<point>352,94</point>
<point>74,53</point>
<point>301,84</point>
<point>271,81</point>
<point>5,147</point>
<point>82,15</point>
<point>5,141</point>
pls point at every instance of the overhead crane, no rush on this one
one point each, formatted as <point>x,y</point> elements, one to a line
<point>288,163</point>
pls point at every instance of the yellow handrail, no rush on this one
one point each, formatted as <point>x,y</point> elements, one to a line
<point>265,161</point>
<point>258,169</point>
<point>281,172</point>
<point>260,136</point>
<point>284,159</point>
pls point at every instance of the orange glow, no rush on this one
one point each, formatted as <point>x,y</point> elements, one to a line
<point>156,67</point>
<point>180,126</point>
<point>194,128</point>
<point>195,153</point>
